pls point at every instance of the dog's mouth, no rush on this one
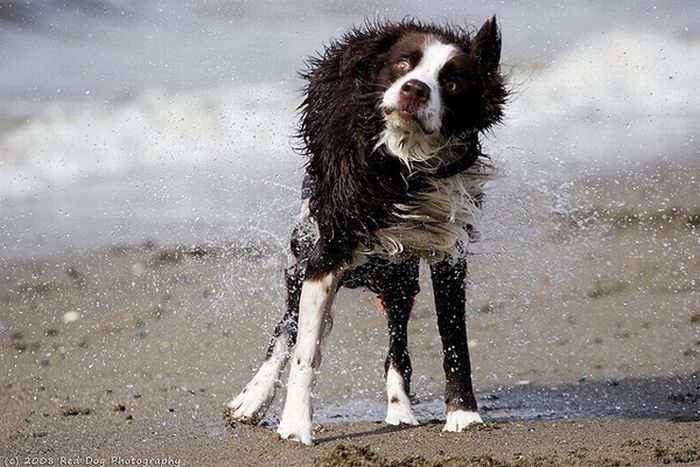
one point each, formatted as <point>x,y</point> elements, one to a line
<point>409,114</point>
<point>405,119</point>
<point>405,112</point>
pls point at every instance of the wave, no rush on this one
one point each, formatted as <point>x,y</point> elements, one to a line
<point>614,98</point>
<point>619,96</point>
<point>247,128</point>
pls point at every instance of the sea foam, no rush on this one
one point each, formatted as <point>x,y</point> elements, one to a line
<point>615,97</point>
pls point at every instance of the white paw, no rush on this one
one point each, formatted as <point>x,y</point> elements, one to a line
<point>296,430</point>
<point>399,408</point>
<point>398,413</point>
<point>250,405</point>
<point>459,420</point>
<point>295,424</point>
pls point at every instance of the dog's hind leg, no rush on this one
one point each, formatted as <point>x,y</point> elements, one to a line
<point>252,403</point>
<point>399,288</point>
<point>449,289</point>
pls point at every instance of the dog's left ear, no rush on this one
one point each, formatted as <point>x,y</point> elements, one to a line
<point>356,55</point>
<point>363,47</point>
<point>486,46</point>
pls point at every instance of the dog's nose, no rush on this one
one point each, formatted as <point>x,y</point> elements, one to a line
<point>415,91</point>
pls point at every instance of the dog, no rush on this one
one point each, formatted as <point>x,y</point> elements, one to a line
<point>390,124</point>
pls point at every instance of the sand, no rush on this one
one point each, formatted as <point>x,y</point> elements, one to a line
<point>583,322</point>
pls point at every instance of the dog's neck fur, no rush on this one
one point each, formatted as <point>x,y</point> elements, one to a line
<point>432,154</point>
<point>414,147</point>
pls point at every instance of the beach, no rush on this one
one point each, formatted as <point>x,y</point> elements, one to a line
<point>584,336</point>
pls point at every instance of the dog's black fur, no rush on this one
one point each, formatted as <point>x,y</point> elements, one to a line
<point>356,188</point>
<point>351,185</point>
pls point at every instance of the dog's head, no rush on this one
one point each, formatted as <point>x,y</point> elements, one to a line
<point>436,82</point>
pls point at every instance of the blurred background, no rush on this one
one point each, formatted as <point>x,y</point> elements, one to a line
<point>126,121</point>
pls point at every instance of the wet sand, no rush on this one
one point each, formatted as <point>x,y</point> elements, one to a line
<point>583,321</point>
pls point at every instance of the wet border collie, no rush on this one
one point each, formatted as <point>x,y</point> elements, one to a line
<point>390,124</point>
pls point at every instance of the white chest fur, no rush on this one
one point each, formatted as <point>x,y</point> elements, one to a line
<point>433,223</point>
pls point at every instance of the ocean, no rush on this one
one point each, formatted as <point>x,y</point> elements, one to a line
<point>124,122</point>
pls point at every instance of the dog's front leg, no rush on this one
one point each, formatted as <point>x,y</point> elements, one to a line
<point>314,321</point>
<point>448,287</point>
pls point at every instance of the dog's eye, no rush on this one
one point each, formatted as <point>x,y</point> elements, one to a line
<point>403,65</point>
<point>451,87</point>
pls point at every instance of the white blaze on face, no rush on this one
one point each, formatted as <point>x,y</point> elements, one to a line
<point>435,55</point>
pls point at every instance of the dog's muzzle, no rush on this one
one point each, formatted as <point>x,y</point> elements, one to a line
<point>413,96</point>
